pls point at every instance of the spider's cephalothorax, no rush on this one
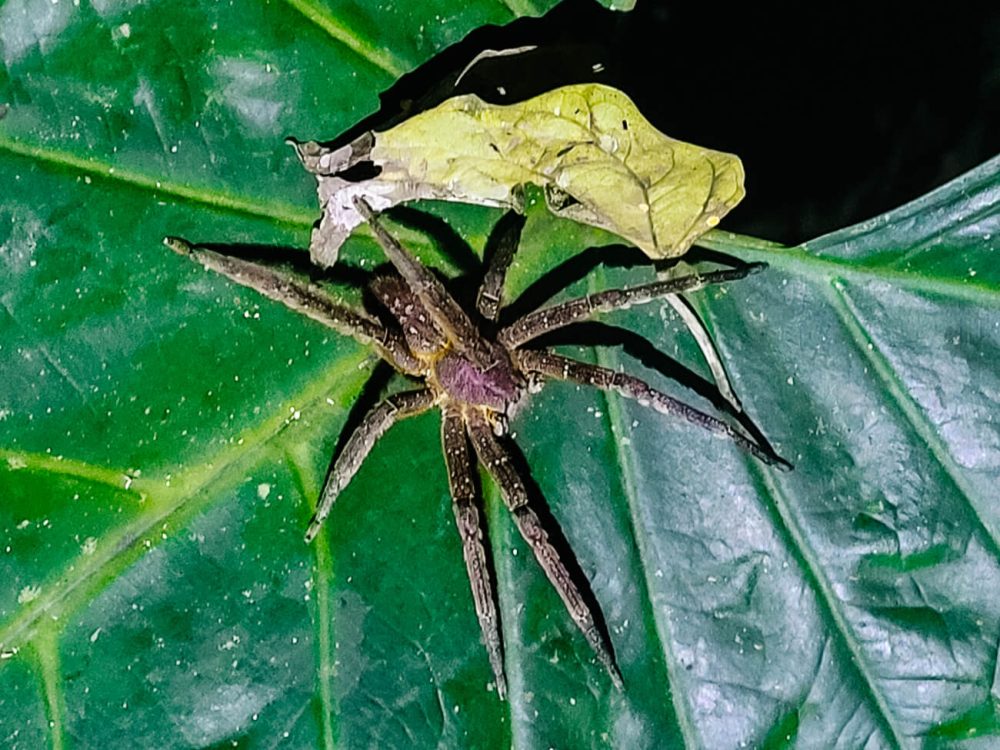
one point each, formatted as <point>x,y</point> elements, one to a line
<point>476,379</point>
<point>475,373</point>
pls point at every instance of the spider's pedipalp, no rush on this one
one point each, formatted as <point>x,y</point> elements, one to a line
<point>500,249</point>
<point>558,367</point>
<point>303,296</point>
<point>499,465</point>
<point>442,307</point>
<point>540,322</point>
<point>359,445</point>
<point>470,528</point>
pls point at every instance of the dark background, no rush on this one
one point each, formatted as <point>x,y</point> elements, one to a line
<point>839,112</point>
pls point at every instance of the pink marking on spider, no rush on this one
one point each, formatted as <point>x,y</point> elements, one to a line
<point>496,387</point>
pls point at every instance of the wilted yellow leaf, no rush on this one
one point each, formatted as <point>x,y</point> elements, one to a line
<point>598,159</point>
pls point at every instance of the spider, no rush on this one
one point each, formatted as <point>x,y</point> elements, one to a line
<point>476,373</point>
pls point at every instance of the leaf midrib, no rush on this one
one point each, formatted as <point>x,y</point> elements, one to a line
<point>799,261</point>
<point>269,209</point>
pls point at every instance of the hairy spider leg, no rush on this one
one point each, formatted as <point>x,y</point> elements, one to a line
<point>374,425</point>
<point>500,249</point>
<point>497,462</point>
<point>440,305</point>
<point>540,322</point>
<point>501,246</point>
<point>558,367</point>
<point>297,293</point>
<point>471,529</point>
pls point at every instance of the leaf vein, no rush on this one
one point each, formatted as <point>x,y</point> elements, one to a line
<point>613,410</point>
<point>378,56</point>
<point>46,652</point>
<point>44,462</point>
<point>826,598</point>
<point>798,261</point>
<point>910,410</point>
<point>322,575</point>
<point>268,209</point>
<point>173,501</point>
<point>927,242</point>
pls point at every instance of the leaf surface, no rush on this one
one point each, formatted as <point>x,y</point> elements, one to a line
<point>164,434</point>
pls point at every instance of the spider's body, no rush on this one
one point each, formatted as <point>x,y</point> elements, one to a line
<point>476,375</point>
<point>488,382</point>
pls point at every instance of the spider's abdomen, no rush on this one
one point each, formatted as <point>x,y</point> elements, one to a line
<point>497,386</point>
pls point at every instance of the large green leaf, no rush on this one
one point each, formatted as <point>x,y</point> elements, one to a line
<point>164,434</point>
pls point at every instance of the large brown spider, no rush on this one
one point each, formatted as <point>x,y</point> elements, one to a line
<point>476,377</point>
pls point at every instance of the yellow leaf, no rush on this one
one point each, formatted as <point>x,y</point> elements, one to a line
<point>598,159</point>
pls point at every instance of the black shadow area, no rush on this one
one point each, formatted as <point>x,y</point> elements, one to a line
<point>839,111</point>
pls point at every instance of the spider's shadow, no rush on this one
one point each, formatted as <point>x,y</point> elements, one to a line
<point>449,242</point>
<point>596,333</point>
<point>579,266</point>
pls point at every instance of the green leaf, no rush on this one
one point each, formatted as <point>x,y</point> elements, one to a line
<point>164,433</point>
<point>599,160</point>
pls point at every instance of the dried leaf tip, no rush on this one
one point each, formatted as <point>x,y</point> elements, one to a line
<point>303,149</point>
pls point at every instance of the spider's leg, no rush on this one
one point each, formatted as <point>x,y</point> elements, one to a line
<point>559,367</point>
<point>682,306</point>
<point>540,322</point>
<point>442,307</point>
<point>497,461</point>
<point>470,527</point>
<point>359,445</point>
<point>303,296</point>
<point>500,249</point>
